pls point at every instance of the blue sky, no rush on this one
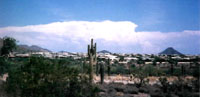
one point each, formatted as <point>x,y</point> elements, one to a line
<point>150,16</point>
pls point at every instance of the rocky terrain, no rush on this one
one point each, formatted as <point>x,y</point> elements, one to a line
<point>131,90</point>
<point>118,86</point>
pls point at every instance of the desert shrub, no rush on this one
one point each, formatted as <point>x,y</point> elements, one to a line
<point>148,70</point>
<point>196,71</point>
<point>164,83</point>
<point>119,69</point>
<point>141,74</point>
<point>177,72</point>
<point>40,77</point>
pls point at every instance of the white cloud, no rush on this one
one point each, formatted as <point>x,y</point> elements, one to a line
<point>192,32</point>
<point>80,32</point>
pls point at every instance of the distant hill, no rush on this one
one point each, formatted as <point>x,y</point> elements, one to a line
<point>33,48</point>
<point>104,51</point>
<point>170,51</point>
<point>63,52</point>
<point>67,52</point>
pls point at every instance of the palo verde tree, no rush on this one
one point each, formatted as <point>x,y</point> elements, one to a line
<point>9,44</point>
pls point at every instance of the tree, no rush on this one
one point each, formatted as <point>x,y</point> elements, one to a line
<point>172,62</point>
<point>156,59</point>
<point>3,66</point>
<point>140,61</point>
<point>121,58</point>
<point>9,44</point>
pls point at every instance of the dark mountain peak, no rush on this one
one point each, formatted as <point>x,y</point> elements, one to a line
<point>170,48</point>
<point>170,51</point>
<point>104,51</point>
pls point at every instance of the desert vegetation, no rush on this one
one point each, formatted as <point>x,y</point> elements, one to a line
<point>37,76</point>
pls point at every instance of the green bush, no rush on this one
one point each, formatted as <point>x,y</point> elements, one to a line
<point>3,66</point>
<point>177,72</point>
<point>119,69</point>
<point>148,70</point>
<point>196,71</point>
<point>141,74</point>
<point>41,77</point>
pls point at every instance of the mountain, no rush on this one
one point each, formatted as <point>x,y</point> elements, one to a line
<point>104,51</point>
<point>33,48</point>
<point>170,51</point>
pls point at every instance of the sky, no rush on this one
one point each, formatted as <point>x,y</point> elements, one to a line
<point>120,26</point>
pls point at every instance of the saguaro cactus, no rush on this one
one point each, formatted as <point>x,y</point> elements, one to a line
<point>183,70</point>
<point>108,69</point>
<point>102,72</point>
<point>92,57</point>
<point>171,62</point>
<point>172,69</point>
<point>84,70</point>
